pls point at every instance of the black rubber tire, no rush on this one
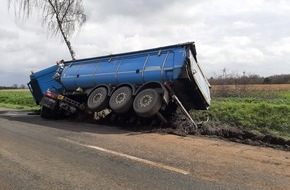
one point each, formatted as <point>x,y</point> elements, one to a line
<point>44,112</point>
<point>147,103</point>
<point>121,100</point>
<point>98,99</point>
<point>47,113</point>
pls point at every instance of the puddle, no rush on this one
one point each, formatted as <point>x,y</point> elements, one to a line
<point>17,113</point>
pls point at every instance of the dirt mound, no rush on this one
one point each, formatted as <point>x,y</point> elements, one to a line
<point>180,125</point>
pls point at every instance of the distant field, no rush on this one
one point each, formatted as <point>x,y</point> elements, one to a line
<point>252,87</point>
<point>15,90</point>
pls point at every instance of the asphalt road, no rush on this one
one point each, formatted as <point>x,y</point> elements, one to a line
<point>43,154</point>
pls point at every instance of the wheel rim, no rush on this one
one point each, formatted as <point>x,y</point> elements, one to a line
<point>97,98</point>
<point>145,100</point>
<point>120,98</point>
<point>147,103</point>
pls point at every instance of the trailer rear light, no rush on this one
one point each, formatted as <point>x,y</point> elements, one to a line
<point>50,94</point>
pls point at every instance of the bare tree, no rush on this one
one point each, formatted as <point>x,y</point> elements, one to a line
<point>14,86</point>
<point>63,17</point>
<point>22,86</point>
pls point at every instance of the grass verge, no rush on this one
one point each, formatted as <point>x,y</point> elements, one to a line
<point>266,113</point>
<point>16,99</point>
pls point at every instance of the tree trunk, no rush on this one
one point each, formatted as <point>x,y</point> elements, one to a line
<point>67,42</point>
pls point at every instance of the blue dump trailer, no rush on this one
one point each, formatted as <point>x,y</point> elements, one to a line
<point>145,83</point>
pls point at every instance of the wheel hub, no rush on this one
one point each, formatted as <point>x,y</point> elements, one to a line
<point>97,98</point>
<point>145,100</point>
<point>120,98</point>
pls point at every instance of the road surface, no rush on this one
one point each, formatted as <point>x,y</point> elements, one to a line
<point>43,154</point>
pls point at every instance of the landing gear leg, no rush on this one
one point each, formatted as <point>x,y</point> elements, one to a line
<point>185,111</point>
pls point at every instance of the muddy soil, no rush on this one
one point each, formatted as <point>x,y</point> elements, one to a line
<point>180,125</point>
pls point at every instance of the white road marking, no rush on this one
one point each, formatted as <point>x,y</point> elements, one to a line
<point>155,164</point>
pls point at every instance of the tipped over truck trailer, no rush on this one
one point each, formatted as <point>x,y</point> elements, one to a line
<point>145,83</point>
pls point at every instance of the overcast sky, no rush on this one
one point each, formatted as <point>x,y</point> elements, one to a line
<point>251,36</point>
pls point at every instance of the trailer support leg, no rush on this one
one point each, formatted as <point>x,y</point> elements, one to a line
<point>184,111</point>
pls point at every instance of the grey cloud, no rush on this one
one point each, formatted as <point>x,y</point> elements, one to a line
<point>142,10</point>
<point>8,35</point>
<point>251,36</point>
<point>107,8</point>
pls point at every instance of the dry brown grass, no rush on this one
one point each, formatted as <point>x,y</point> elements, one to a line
<point>15,90</point>
<point>272,87</point>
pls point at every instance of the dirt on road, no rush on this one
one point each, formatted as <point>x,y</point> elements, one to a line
<point>180,125</point>
<point>228,162</point>
<point>208,159</point>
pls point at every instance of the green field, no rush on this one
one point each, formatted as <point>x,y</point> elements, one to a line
<point>265,112</point>
<point>17,99</point>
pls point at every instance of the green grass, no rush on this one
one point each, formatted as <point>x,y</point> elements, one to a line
<point>266,113</point>
<point>269,115</point>
<point>21,100</point>
<point>284,96</point>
